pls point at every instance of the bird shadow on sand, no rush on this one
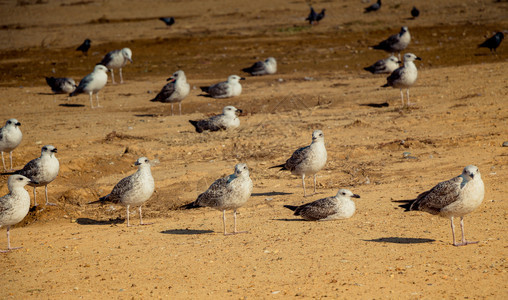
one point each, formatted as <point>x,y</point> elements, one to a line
<point>147,115</point>
<point>88,221</point>
<point>46,94</point>
<point>401,240</point>
<point>186,231</point>
<point>291,220</point>
<point>71,105</point>
<point>270,194</point>
<point>376,105</point>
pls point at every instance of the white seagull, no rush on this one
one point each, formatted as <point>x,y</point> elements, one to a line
<point>337,207</point>
<point>268,66</point>
<point>61,85</point>
<point>93,83</point>
<point>117,59</point>
<point>14,206</point>
<point>41,171</point>
<point>227,120</point>
<point>10,138</point>
<point>384,66</point>
<point>174,91</point>
<point>133,190</point>
<point>405,76</point>
<point>456,197</point>
<point>396,42</point>
<point>225,89</point>
<point>227,193</point>
<point>307,160</point>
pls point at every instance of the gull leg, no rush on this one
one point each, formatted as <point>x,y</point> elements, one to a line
<point>3,161</point>
<point>235,231</point>
<point>47,200</point>
<point>303,183</point>
<point>10,157</point>
<point>113,77</point>
<point>141,218</point>
<point>402,97</point>
<point>121,78</point>
<point>171,108</point>
<point>224,221</point>
<point>315,175</point>
<point>179,108</point>
<point>97,96</point>
<point>407,91</point>
<point>453,231</point>
<point>464,242</point>
<point>128,224</point>
<point>35,197</point>
<point>91,100</point>
<point>9,242</point>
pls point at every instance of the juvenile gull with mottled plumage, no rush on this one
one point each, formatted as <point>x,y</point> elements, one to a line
<point>117,59</point>
<point>61,85</point>
<point>227,193</point>
<point>133,190</point>
<point>174,91</point>
<point>41,171</point>
<point>337,207</point>
<point>225,89</point>
<point>15,205</point>
<point>382,66</point>
<point>396,42</point>
<point>456,197</point>
<point>10,138</point>
<point>307,160</point>
<point>266,67</point>
<point>405,76</point>
<point>227,120</point>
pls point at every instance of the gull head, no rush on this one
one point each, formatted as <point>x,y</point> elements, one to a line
<point>270,60</point>
<point>49,150</point>
<point>471,171</point>
<point>176,76</point>
<point>235,78</point>
<point>100,68</point>
<point>394,59</point>
<point>12,122</point>
<point>127,53</point>
<point>17,181</point>
<point>241,169</point>
<point>230,110</point>
<point>403,30</point>
<point>318,136</point>
<point>410,57</point>
<point>346,193</point>
<point>142,161</point>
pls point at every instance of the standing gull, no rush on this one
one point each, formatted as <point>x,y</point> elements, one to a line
<point>92,83</point>
<point>456,197</point>
<point>84,47</point>
<point>269,66</point>
<point>10,138</point>
<point>41,171</point>
<point>396,42</point>
<point>493,42</point>
<point>336,207</point>
<point>14,206</point>
<point>133,190</point>
<point>117,59</point>
<point>404,77</point>
<point>307,160</point>
<point>174,91</point>
<point>225,89</point>
<point>382,66</point>
<point>227,120</point>
<point>63,85</point>
<point>374,7</point>
<point>227,193</point>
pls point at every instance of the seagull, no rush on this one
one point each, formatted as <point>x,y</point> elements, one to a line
<point>117,59</point>
<point>133,190</point>
<point>174,91</point>
<point>312,16</point>
<point>92,82</point>
<point>10,138</point>
<point>225,89</point>
<point>415,12</point>
<point>493,42</point>
<point>269,66</point>
<point>227,120</point>
<point>227,193</point>
<point>84,47</point>
<point>41,171</point>
<point>307,160</point>
<point>374,7</point>
<point>168,20</point>
<point>456,197</point>
<point>387,65</point>
<point>396,42</point>
<point>405,76</point>
<point>336,207</point>
<point>14,206</point>
<point>62,85</point>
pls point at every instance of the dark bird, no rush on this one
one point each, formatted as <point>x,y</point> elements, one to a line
<point>312,16</point>
<point>168,20</point>
<point>374,7</point>
<point>62,85</point>
<point>84,47</point>
<point>415,12</point>
<point>493,42</point>
<point>456,197</point>
<point>321,15</point>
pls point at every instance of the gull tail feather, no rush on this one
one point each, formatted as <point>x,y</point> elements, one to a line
<point>190,205</point>
<point>291,207</point>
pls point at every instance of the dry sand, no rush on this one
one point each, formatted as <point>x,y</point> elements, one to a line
<point>459,118</point>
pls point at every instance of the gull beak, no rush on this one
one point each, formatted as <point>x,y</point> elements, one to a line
<point>54,150</point>
<point>33,181</point>
<point>399,62</point>
<point>136,163</point>
<point>18,124</point>
<point>356,196</point>
<point>418,58</point>
<point>242,78</point>
<point>130,59</point>
<point>172,79</point>
<point>239,111</point>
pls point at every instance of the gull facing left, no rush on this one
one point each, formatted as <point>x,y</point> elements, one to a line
<point>10,138</point>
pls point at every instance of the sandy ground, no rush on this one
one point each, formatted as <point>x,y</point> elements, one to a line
<point>459,117</point>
